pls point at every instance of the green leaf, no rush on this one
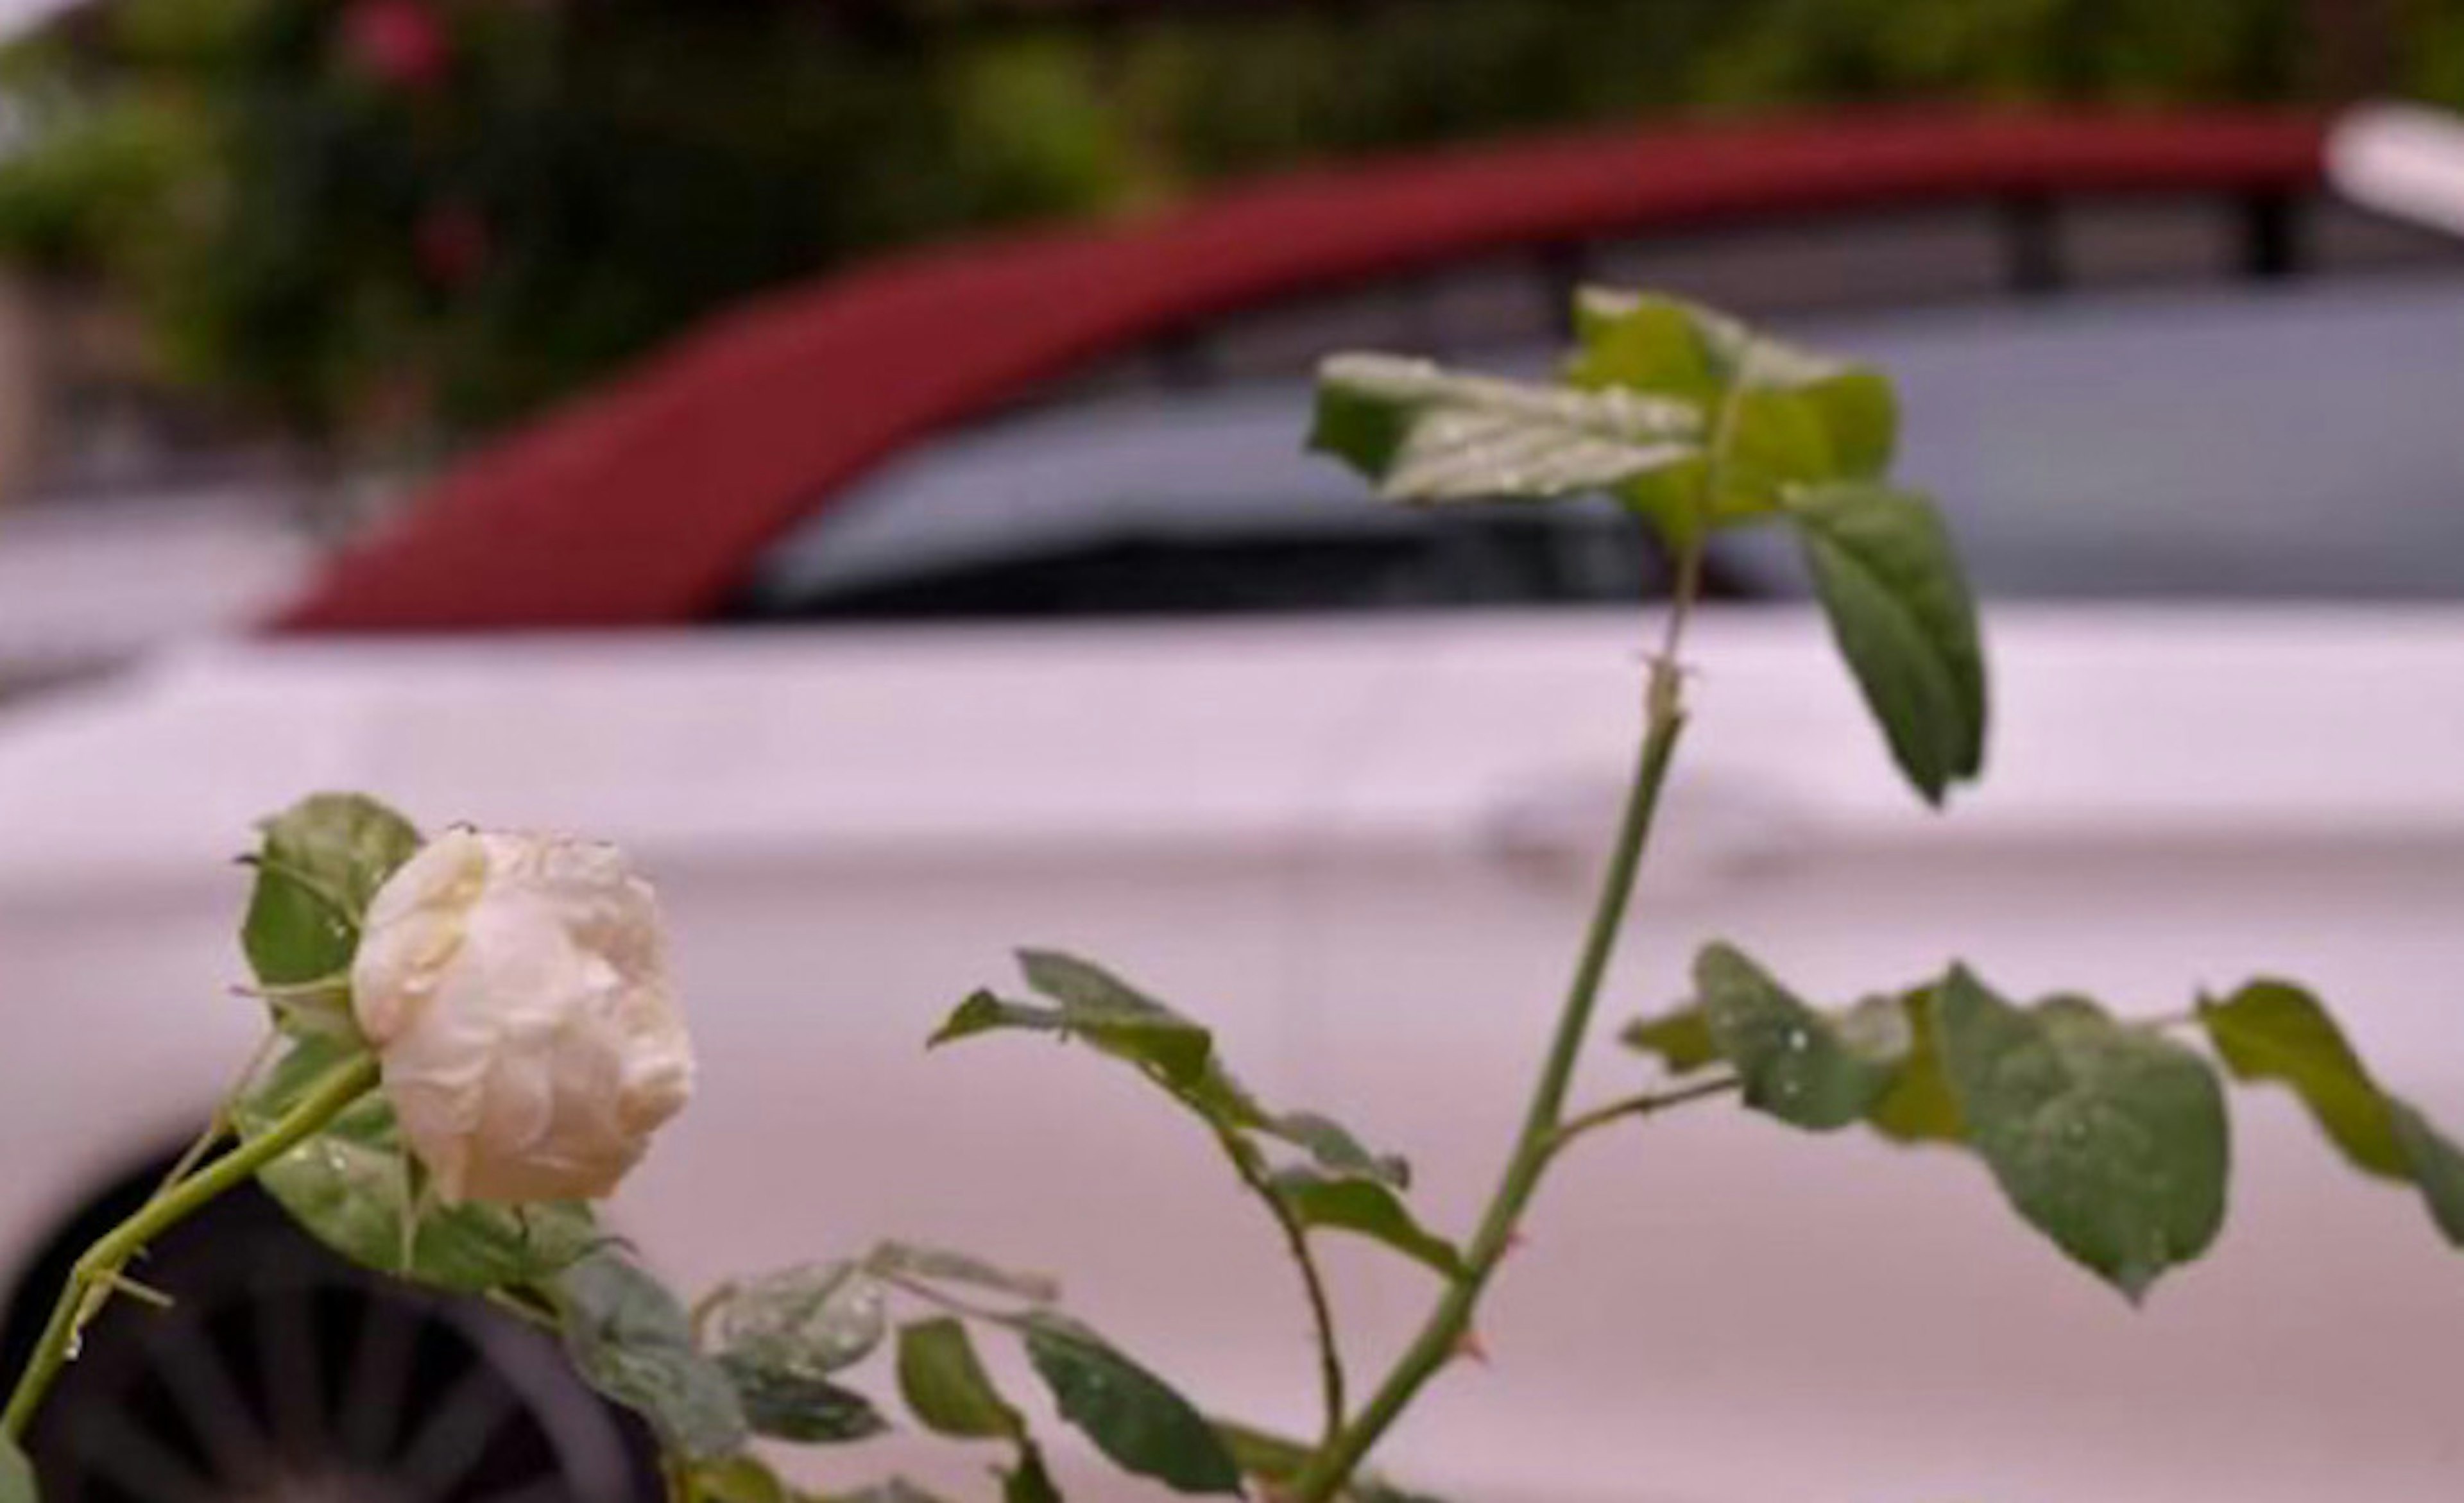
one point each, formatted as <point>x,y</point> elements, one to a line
<point>1346,1186</point>
<point>738,1479</point>
<point>1132,1415</point>
<point>943,1266</point>
<point>781,1335</point>
<point>898,1489</point>
<point>1259,1453</point>
<point>1919,1107</point>
<point>947,1387</point>
<point>2276,1032</point>
<point>2109,1139</point>
<point>2273,1031</point>
<point>1115,1018</point>
<point>1420,433</point>
<point>1646,342</point>
<point>2437,1167</point>
<point>1653,343</point>
<point>633,1342</point>
<point>1795,1063</point>
<point>1898,606</point>
<point>16,1475</point>
<point>1084,985</point>
<point>320,862</point>
<point>1105,1012</point>
<point>1788,417</point>
<point>811,1319</point>
<point>1367,1207</point>
<point>1029,1482</point>
<point>1680,1037</point>
<point>1915,1104</point>
<point>1125,1022</point>
<point>983,1013</point>
<point>350,1188</point>
<point>1333,1147</point>
<point>1277,1461</point>
<point>1377,1490</point>
<point>786,1404</point>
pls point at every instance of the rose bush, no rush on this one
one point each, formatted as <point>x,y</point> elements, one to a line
<point>476,1035</point>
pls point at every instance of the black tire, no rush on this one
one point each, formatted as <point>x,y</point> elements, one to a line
<point>284,1375</point>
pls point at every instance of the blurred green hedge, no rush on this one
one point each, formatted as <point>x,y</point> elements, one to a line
<point>372,214</point>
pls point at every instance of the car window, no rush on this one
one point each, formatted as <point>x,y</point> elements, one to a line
<point>2263,442</point>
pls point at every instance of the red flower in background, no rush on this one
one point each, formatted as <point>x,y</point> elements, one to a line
<point>451,244</point>
<point>399,42</point>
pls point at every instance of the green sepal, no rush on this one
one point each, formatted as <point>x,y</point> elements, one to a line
<point>349,1188</point>
<point>316,866</point>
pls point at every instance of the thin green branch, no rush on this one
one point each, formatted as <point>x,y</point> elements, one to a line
<point>1688,587</point>
<point>1648,1104</point>
<point>100,1267</point>
<point>1330,1356</point>
<point>1441,1336</point>
<point>219,1126</point>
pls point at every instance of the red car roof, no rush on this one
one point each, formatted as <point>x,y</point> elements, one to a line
<point>647,500</point>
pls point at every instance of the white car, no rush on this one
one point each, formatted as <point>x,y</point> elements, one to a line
<point>2220,532</point>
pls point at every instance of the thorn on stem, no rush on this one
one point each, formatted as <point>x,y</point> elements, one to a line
<point>143,1293</point>
<point>1469,1347</point>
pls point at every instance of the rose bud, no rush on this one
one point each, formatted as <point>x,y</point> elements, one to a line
<point>514,988</point>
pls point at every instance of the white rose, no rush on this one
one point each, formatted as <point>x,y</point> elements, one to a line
<point>515,988</point>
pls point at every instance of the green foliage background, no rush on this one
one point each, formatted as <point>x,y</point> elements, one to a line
<point>341,244</point>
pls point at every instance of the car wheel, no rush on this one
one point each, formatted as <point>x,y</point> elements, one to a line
<point>282,1374</point>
